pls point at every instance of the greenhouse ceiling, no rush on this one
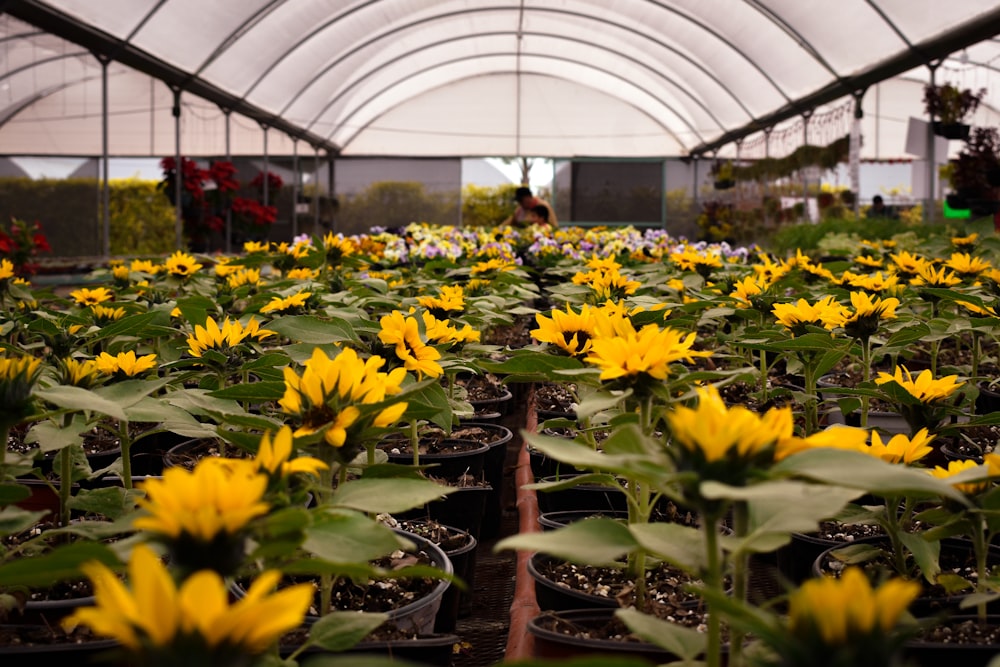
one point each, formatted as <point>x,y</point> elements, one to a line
<point>455,77</point>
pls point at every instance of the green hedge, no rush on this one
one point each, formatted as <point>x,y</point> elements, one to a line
<point>69,210</point>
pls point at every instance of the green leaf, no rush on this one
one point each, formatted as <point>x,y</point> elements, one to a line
<point>14,519</point>
<point>130,325</point>
<point>596,541</point>
<point>925,554</point>
<point>599,402</point>
<point>310,329</point>
<point>60,564</point>
<point>51,437</point>
<point>685,643</point>
<point>684,546</point>
<point>856,554</point>
<point>530,366</point>
<point>342,536</point>
<point>387,495</point>
<point>429,402</point>
<point>341,630</point>
<point>13,493</point>
<point>860,471</point>
<point>269,360</point>
<point>778,508</point>
<point>113,502</point>
<point>130,392</point>
<point>77,398</point>
<point>252,392</point>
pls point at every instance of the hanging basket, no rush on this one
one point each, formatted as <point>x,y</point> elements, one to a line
<point>959,131</point>
<point>725,184</point>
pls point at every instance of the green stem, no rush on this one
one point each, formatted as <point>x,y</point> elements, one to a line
<point>977,350</point>
<point>646,415</point>
<point>763,376</point>
<point>713,580</point>
<point>65,480</point>
<point>866,370</point>
<point>893,528</point>
<point>126,443</point>
<point>812,421</point>
<point>415,442</point>
<point>639,509</point>
<point>325,593</point>
<point>741,525</point>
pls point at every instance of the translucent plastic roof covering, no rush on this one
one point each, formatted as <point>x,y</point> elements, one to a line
<point>474,77</point>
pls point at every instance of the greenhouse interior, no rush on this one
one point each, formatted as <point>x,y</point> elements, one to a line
<point>500,332</point>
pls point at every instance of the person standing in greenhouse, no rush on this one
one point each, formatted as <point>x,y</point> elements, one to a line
<point>524,214</point>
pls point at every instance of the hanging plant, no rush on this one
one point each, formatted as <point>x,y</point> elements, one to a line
<point>769,169</point>
<point>951,106</point>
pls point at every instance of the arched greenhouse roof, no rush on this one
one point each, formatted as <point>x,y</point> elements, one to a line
<point>558,78</point>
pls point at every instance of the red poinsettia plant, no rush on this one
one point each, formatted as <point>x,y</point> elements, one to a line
<point>20,243</point>
<point>208,194</point>
<point>274,181</point>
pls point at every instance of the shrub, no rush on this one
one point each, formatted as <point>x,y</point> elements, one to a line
<point>142,219</point>
<point>484,205</point>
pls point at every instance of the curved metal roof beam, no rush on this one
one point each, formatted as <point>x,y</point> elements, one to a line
<point>11,112</point>
<point>250,22</point>
<point>22,35</point>
<point>43,61</point>
<point>725,40</point>
<point>563,12</point>
<point>429,68</point>
<point>145,20</point>
<point>889,22</point>
<point>340,94</point>
<point>787,28</point>
<point>379,115</point>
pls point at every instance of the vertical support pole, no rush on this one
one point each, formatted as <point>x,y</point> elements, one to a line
<point>105,163</point>
<point>295,187</point>
<point>178,173</point>
<point>331,183</point>
<point>267,167</point>
<point>694,184</point>
<point>663,193</point>
<point>931,157</point>
<point>316,191</point>
<point>228,113</point>
<point>854,156</point>
<point>805,173</point>
<point>736,163</point>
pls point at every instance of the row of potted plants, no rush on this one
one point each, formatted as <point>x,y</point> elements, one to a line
<point>701,380</point>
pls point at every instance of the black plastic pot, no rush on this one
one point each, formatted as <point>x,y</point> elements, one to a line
<point>446,464</point>
<point>933,654</point>
<point>552,597</point>
<point>493,472</point>
<point>949,452</point>
<point>956,131</point>
<point>725,184</point>
<point>462,509</point>
<point>418,616</point>
<point>591,497</point>
<point>463,561</point>
<point>553,644</point>
<point>427,650</point>
<point>988,400</point>
<point>956,201</point>
<point>923,606</point>
<point>544,415</point>
<point>183,453</point>
<point>37,655</point>
<point>795,560</point>
<point>49,612</point>
<point>499,406</point>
